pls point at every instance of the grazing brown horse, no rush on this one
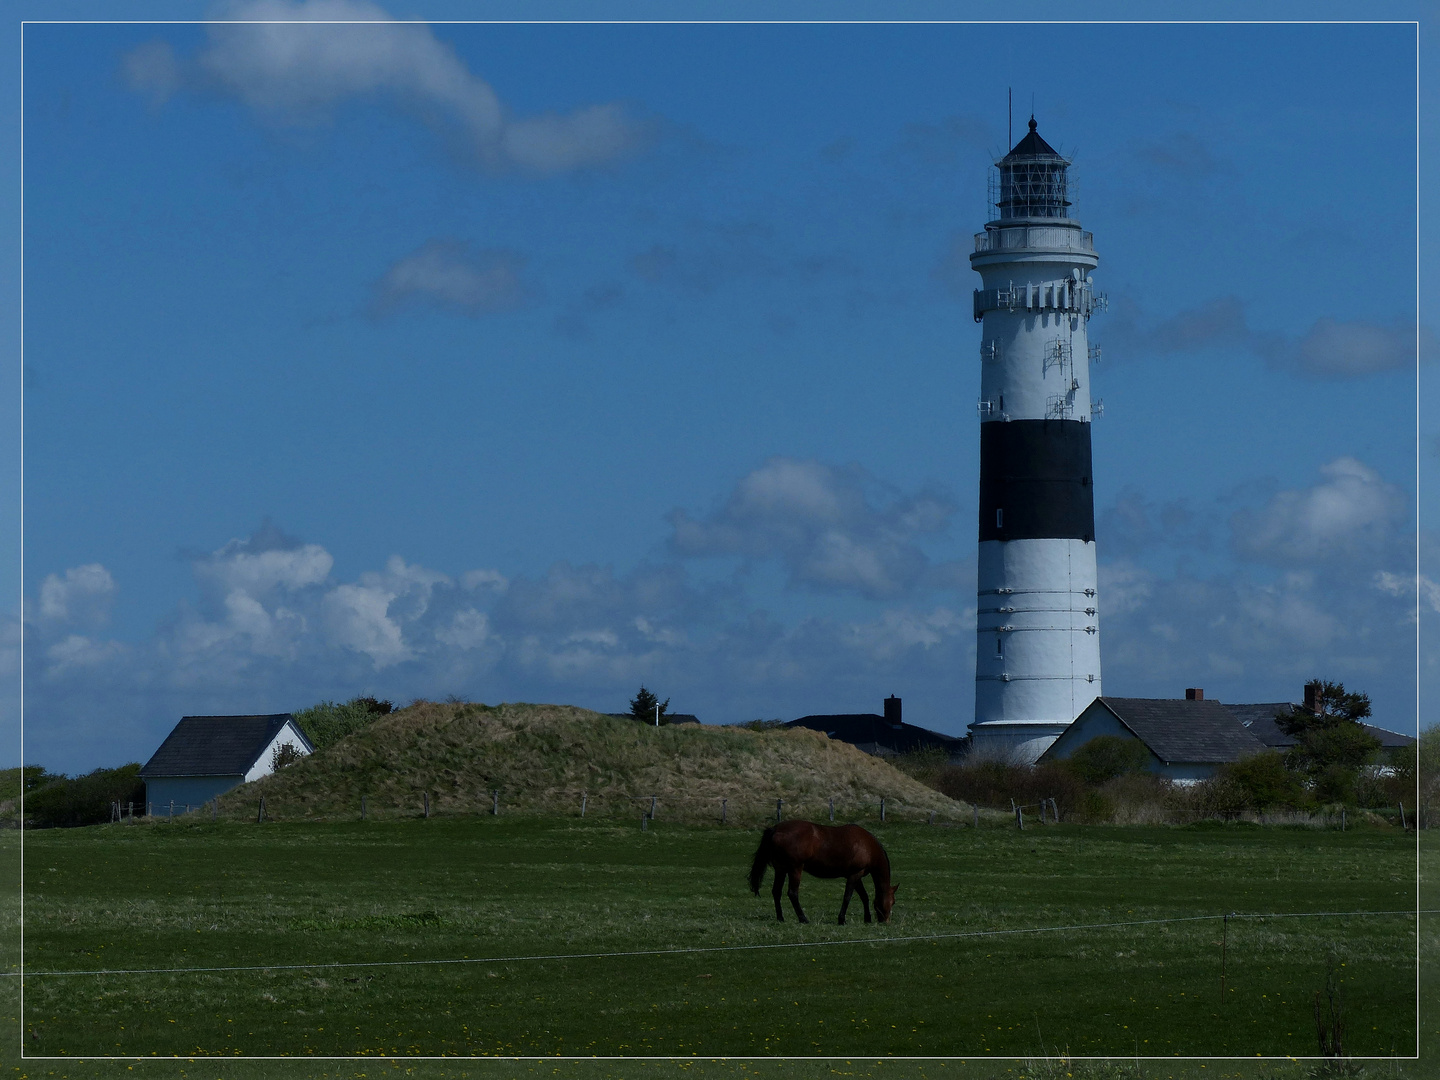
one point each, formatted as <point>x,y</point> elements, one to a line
<point>824,851</point>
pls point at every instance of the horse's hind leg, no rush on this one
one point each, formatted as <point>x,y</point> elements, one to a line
<point>845,903</point>
<point>779,885</point>
<point>795,894</point>
<point>864,897</point>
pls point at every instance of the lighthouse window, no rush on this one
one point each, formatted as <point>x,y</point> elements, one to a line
<point>999,519</point>
<point>1000,646</point>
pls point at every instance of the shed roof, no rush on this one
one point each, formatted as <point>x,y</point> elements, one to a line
<point>867,730</point>
<point>1260,721</point>
<point>217,745</point>
<point>1182,730</point>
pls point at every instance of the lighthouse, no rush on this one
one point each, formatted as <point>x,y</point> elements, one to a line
<point>1037,660</point>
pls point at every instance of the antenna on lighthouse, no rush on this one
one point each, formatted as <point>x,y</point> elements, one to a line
<point>1010,116</point>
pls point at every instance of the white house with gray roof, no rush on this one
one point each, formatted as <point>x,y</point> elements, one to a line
<point>206,756</point>
<point>1187,739</point>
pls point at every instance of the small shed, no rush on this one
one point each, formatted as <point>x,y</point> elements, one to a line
<point>1187,739</point>
<point>883,735</point>
<point>206,756</point>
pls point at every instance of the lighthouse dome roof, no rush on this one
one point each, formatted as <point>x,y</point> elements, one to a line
<point>1032,145</point>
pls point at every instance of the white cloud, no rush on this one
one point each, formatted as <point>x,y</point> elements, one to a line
<point>1420,590</point>
<point>452,276</point>
<point>1329,349</point>
<point>296,62</point>
<point>1350,512</point>
<point>822,524</point>
<point>484,579</point>
<point>1340,350</point>
<point>358,617</point>
<point>78,651</point>
<point>84,594</point>
<point>235,569</point>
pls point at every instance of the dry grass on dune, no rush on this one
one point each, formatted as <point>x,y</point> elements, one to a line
<point>542,758</point>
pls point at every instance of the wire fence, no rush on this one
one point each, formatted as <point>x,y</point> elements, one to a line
<point>898,939</point>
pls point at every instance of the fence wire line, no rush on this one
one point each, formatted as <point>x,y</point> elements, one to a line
<point>334,964</point>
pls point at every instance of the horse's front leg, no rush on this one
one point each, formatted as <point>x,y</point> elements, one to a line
<point>795,894</point>
<point>864,898</point>
<point>779,885</point>
<point>845,903</point>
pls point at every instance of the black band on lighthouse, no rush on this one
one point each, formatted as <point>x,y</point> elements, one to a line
<point>1036,474</point>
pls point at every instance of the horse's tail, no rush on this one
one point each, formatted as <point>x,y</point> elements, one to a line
<point>762,859</point>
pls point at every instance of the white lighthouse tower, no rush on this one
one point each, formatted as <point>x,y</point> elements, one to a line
<point>1038,643</point>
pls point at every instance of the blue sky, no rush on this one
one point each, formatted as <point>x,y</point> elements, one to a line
<point>535,362</point>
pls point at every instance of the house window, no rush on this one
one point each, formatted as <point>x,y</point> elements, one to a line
<point>999,519</point>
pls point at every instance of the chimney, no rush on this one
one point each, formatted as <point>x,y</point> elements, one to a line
<point>1312,697</point>
<point>1194,693</point>
<point>892,711</point>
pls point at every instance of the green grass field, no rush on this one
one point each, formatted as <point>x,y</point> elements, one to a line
<point>202,895</point>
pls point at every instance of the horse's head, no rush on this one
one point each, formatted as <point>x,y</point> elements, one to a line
<point>884,901</point>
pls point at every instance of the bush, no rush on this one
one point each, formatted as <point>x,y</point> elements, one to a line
<point>1264,780</point>
<point>84,800</point>
<point>1221,797</point>
<point>1106,757</point>
<point>997,783</point>
<point>329,721</point>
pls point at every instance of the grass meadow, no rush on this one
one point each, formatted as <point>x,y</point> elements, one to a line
<point>300,896</point>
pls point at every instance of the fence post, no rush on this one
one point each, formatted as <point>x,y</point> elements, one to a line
<point>215,808</point>
<point>932,818</point>
<point>362,807</point>
<point>584,797</point>
<point>882,807</point>
<point>1342,819</point>
<point>149,809</point>
<point>171,815</point>
<point>495,803</point>
<point>131,806</point>
<point>1224,938</point>
<point>778,803</point>
<point>261,816</point>
<point>644,821</point>
<point>1403,826</point>
<point>425,800</point>
<point>652,807</point>
<point>832,807</point>
<point>975,810</point>
<point>722,810</point>
<point>1019,816</point>
<point>1055,808</point>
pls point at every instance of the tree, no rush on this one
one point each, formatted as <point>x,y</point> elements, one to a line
<point>329,721</point>
<point>1106,757</point>
<point>1331,743</point>
<point>642,707</point>
<point>1264,779</point>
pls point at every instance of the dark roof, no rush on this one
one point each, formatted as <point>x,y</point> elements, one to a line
<point>1184,731</point>
<point>871,733</point>
<point>217,745</point>
<point>1389,739</point>
<point>1259,720</point>
<point>1032,145</point>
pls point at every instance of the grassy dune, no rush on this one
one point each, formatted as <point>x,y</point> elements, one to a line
<point>543,758</point>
